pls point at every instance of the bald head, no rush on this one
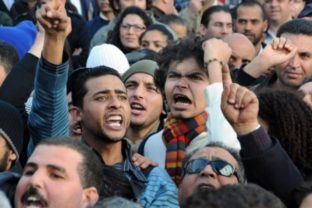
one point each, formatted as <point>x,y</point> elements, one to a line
<point>243,51</point>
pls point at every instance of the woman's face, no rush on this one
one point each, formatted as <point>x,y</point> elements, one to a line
<point>130,30</point>
<point>154,40</point>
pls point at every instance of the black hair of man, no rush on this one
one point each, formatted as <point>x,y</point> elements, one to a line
<point>240,172</point>
<point>187,48</point>
<point>296,27</point>
<point>77,81</point>
<point>164,29</point>
<point>8,56</point>
<point>249,3</point>
<point>234,196</point>
<point>172,19</point>
<point>205,19</point>
<point>90,169</point>
<point>115,4</point>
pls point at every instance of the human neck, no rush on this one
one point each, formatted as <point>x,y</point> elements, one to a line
<point>258,47</point>
<point>111,153</point>
<point>135,134</point>
<point>278,85</point>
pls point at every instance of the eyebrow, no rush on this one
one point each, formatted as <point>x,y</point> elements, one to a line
<point>117,91</point>
<point>54,167</point>
<point>173,71</point>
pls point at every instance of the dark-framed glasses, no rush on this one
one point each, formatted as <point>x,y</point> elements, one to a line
<point>136,28</point>
<point>220,167</point>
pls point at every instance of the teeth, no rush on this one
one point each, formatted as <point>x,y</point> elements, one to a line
<point>115,119</point>
<point>136,106</point>
<point>182,99</point>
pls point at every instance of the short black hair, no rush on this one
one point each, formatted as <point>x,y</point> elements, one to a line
<point>296,27</point>
<point>77,81</point>
<point>90,169</point>
<point>249,3</point>
<point>172,19</point>
<point>8,56</point>
<point>205,19</point>
<point>161,28</point>
<point>234,196</point>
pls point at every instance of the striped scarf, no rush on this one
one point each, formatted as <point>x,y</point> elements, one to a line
<point>177,136</point>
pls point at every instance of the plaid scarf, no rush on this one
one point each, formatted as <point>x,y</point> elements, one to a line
<point>177,136</point>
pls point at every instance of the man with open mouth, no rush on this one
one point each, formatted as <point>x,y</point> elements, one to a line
<point>146,102</point>
<point>61,172</point>
<point>193,93</point>
<point>101,106</point>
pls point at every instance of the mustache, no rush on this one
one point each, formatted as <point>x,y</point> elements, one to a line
<point>33,192</point>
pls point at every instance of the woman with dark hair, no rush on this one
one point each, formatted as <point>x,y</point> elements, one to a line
<point>289,119</point>
<point>156,37</point>
<point>132,23</point>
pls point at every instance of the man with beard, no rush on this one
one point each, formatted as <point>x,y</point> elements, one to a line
<point>250,20</point>
<point>100,102</point>
<point>146,102</point>
<point>61,172</point>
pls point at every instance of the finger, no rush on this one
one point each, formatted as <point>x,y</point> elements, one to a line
<point>226,75</point>
<point>232,95</point>
<point>274,43</point>
<point>282,42</point>
<point>249,98</point>
<point>225,96</point>
<point>40,15</point>
<point>240,93</point>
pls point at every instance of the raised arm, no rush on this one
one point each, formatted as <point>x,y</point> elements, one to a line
<point>216,56</point>
<point>265,161</point>
<point>49,115</point>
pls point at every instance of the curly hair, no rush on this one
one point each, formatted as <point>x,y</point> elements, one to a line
<point>290,120</point>
<point>188,48</point>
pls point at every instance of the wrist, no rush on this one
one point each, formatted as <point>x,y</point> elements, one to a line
<point>246,128</point>
<point>213,60</point>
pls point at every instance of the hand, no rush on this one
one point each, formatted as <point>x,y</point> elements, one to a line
<point>53,18</point>
<point>216,49</point>
<point>240,106</point>
<point>143,162</point>
<point>306,91</point>
<point>277,52</point>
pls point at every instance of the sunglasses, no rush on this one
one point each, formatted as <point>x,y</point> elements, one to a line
<point>220,167</point>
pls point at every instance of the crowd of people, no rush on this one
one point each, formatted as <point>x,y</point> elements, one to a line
<point>156,103</point>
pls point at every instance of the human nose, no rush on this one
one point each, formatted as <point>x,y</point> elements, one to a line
<point>182,82</point>
<point>138,92</point>
<point>37,179</point>
<point>114,102</point>
<point>294,62</point>
<point>208,172</point>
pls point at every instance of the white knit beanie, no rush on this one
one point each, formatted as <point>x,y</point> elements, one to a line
<point>108,55</point>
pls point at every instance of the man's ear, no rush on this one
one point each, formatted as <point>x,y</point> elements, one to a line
<point>266,25</point>
<point>202,30</point>
<point>76,113</point>
<point>12,156</point>
<point>90,196</point>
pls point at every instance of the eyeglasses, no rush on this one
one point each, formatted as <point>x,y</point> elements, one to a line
<point>220,167</point>
<point>136,28</point>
